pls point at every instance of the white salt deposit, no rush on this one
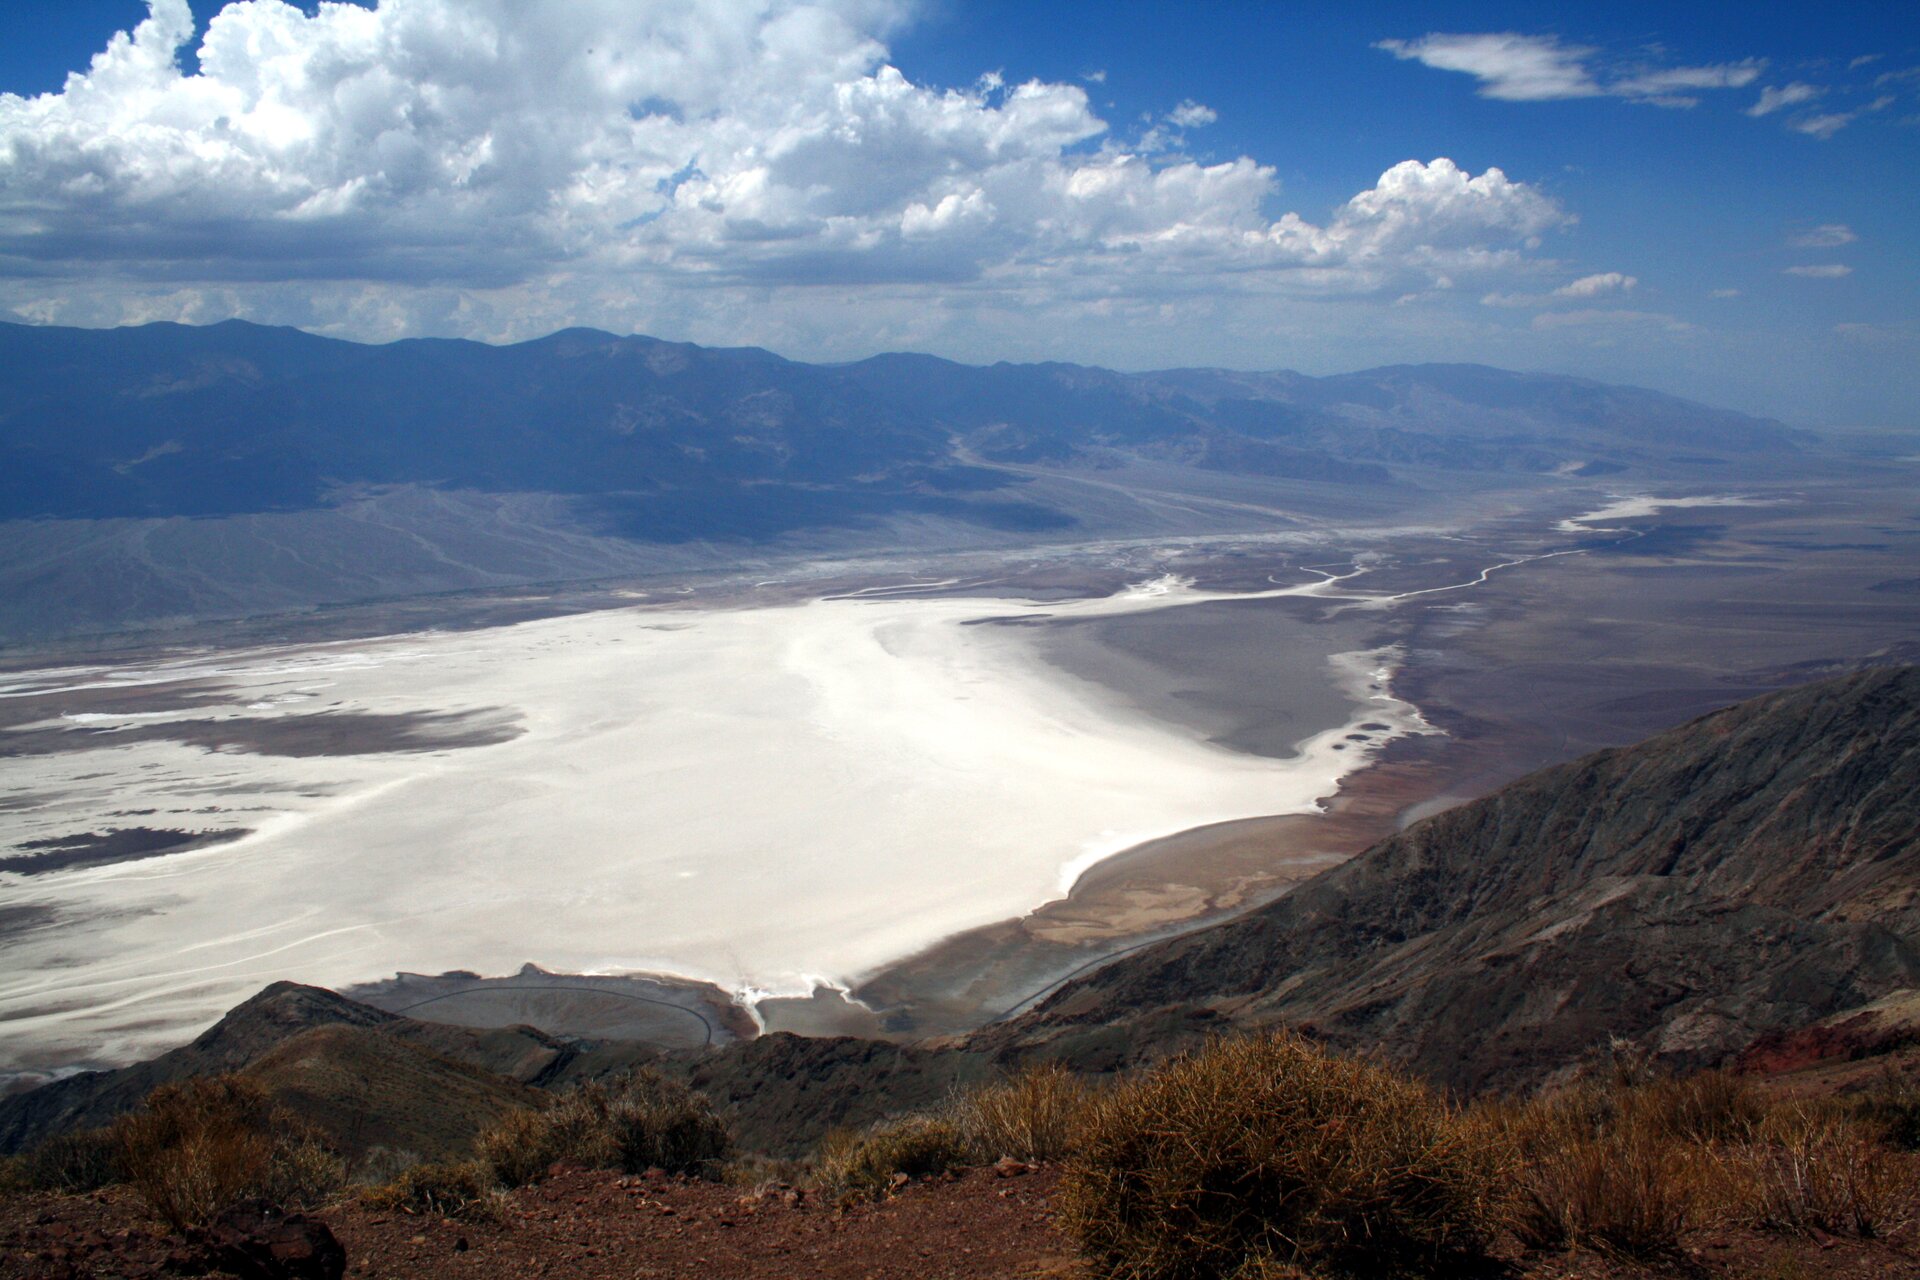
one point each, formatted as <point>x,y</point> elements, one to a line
<point>1638,505</point>
<point>756,796</point>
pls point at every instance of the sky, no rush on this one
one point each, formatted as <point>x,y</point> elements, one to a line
<point>1718,200</point>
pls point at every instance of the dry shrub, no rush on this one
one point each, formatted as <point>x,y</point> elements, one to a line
<point>520,1146</point>
<point>1621,1164</point>
<point>463,1189</point>
<point>1267,1153</point>
<point>1039,1113</point>
<point>855,1165</point>
<point>1709,1107</point>
<point>1629,1193</point>
<point>197,1147</point>
<point>85,1160</point>
<point>1892,1106</point>
<point>1807,1171</point>
<point>644,1121</point>
<point>1628,1165</point>
<point>760,1173</point>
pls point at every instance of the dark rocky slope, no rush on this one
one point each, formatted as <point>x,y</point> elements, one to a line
<point>1756,869</point>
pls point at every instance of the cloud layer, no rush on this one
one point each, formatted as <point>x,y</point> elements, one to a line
<point>574,152</point>
<point>1516,67</point>
<point>1529,68</point>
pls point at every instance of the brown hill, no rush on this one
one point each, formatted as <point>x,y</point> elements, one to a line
<point>93,1098</point>
<point>1754,870</point>
<point>365,1077</point>
<point>368,1090</point>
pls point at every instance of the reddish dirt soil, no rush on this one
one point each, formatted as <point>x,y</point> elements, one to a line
<point>596,1226</point>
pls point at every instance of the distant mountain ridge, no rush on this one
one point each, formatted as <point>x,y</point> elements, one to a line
<point>168,420</point>
<point>172,473</point>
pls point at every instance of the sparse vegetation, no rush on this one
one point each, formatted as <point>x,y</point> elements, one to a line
<point>1622,1164</point>
<point>84,1160</point>
<point>461,1189</point>
<point>1039,1113</point>
<point>1892,1106</point>
<point>197,1147</point>
<point>1629,1165</point>
<point>1265,1158</point>
<point>1809,1171</point>
<point>1624,1191</point>
<point>1261,1155</point>
<point>643,1121</point>
<point>855,1165</point>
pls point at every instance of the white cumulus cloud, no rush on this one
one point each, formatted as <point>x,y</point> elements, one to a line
<point>490,166</point>
<point>1192,115</point>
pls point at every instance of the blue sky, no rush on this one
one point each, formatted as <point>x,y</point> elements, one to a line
<point>1719,200</point>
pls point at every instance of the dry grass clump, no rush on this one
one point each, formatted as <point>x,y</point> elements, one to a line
<point>457,1189</point>
<point>644,1121</point>
<point>869,1164</point>
<point>197,1147</point>
<point>1261,1156</point>
<point>1625,1192</point>
<point>1622,1165</point>
<point>1627,1166</point>
<point>1892,1106</point>
<point>1808,1171</point>
<point>1038,1114</point>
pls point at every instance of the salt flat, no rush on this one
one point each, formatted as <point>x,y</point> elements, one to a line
<point>764,797</point>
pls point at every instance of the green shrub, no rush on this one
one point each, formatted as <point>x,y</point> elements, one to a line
<point>867,1165</point>
<point>644,1121</point>
<point>1039,1113</point>
<point>195,1148</point>
<point>1263,1154</point>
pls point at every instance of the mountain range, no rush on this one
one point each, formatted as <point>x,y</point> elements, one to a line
<point>236,468</point>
